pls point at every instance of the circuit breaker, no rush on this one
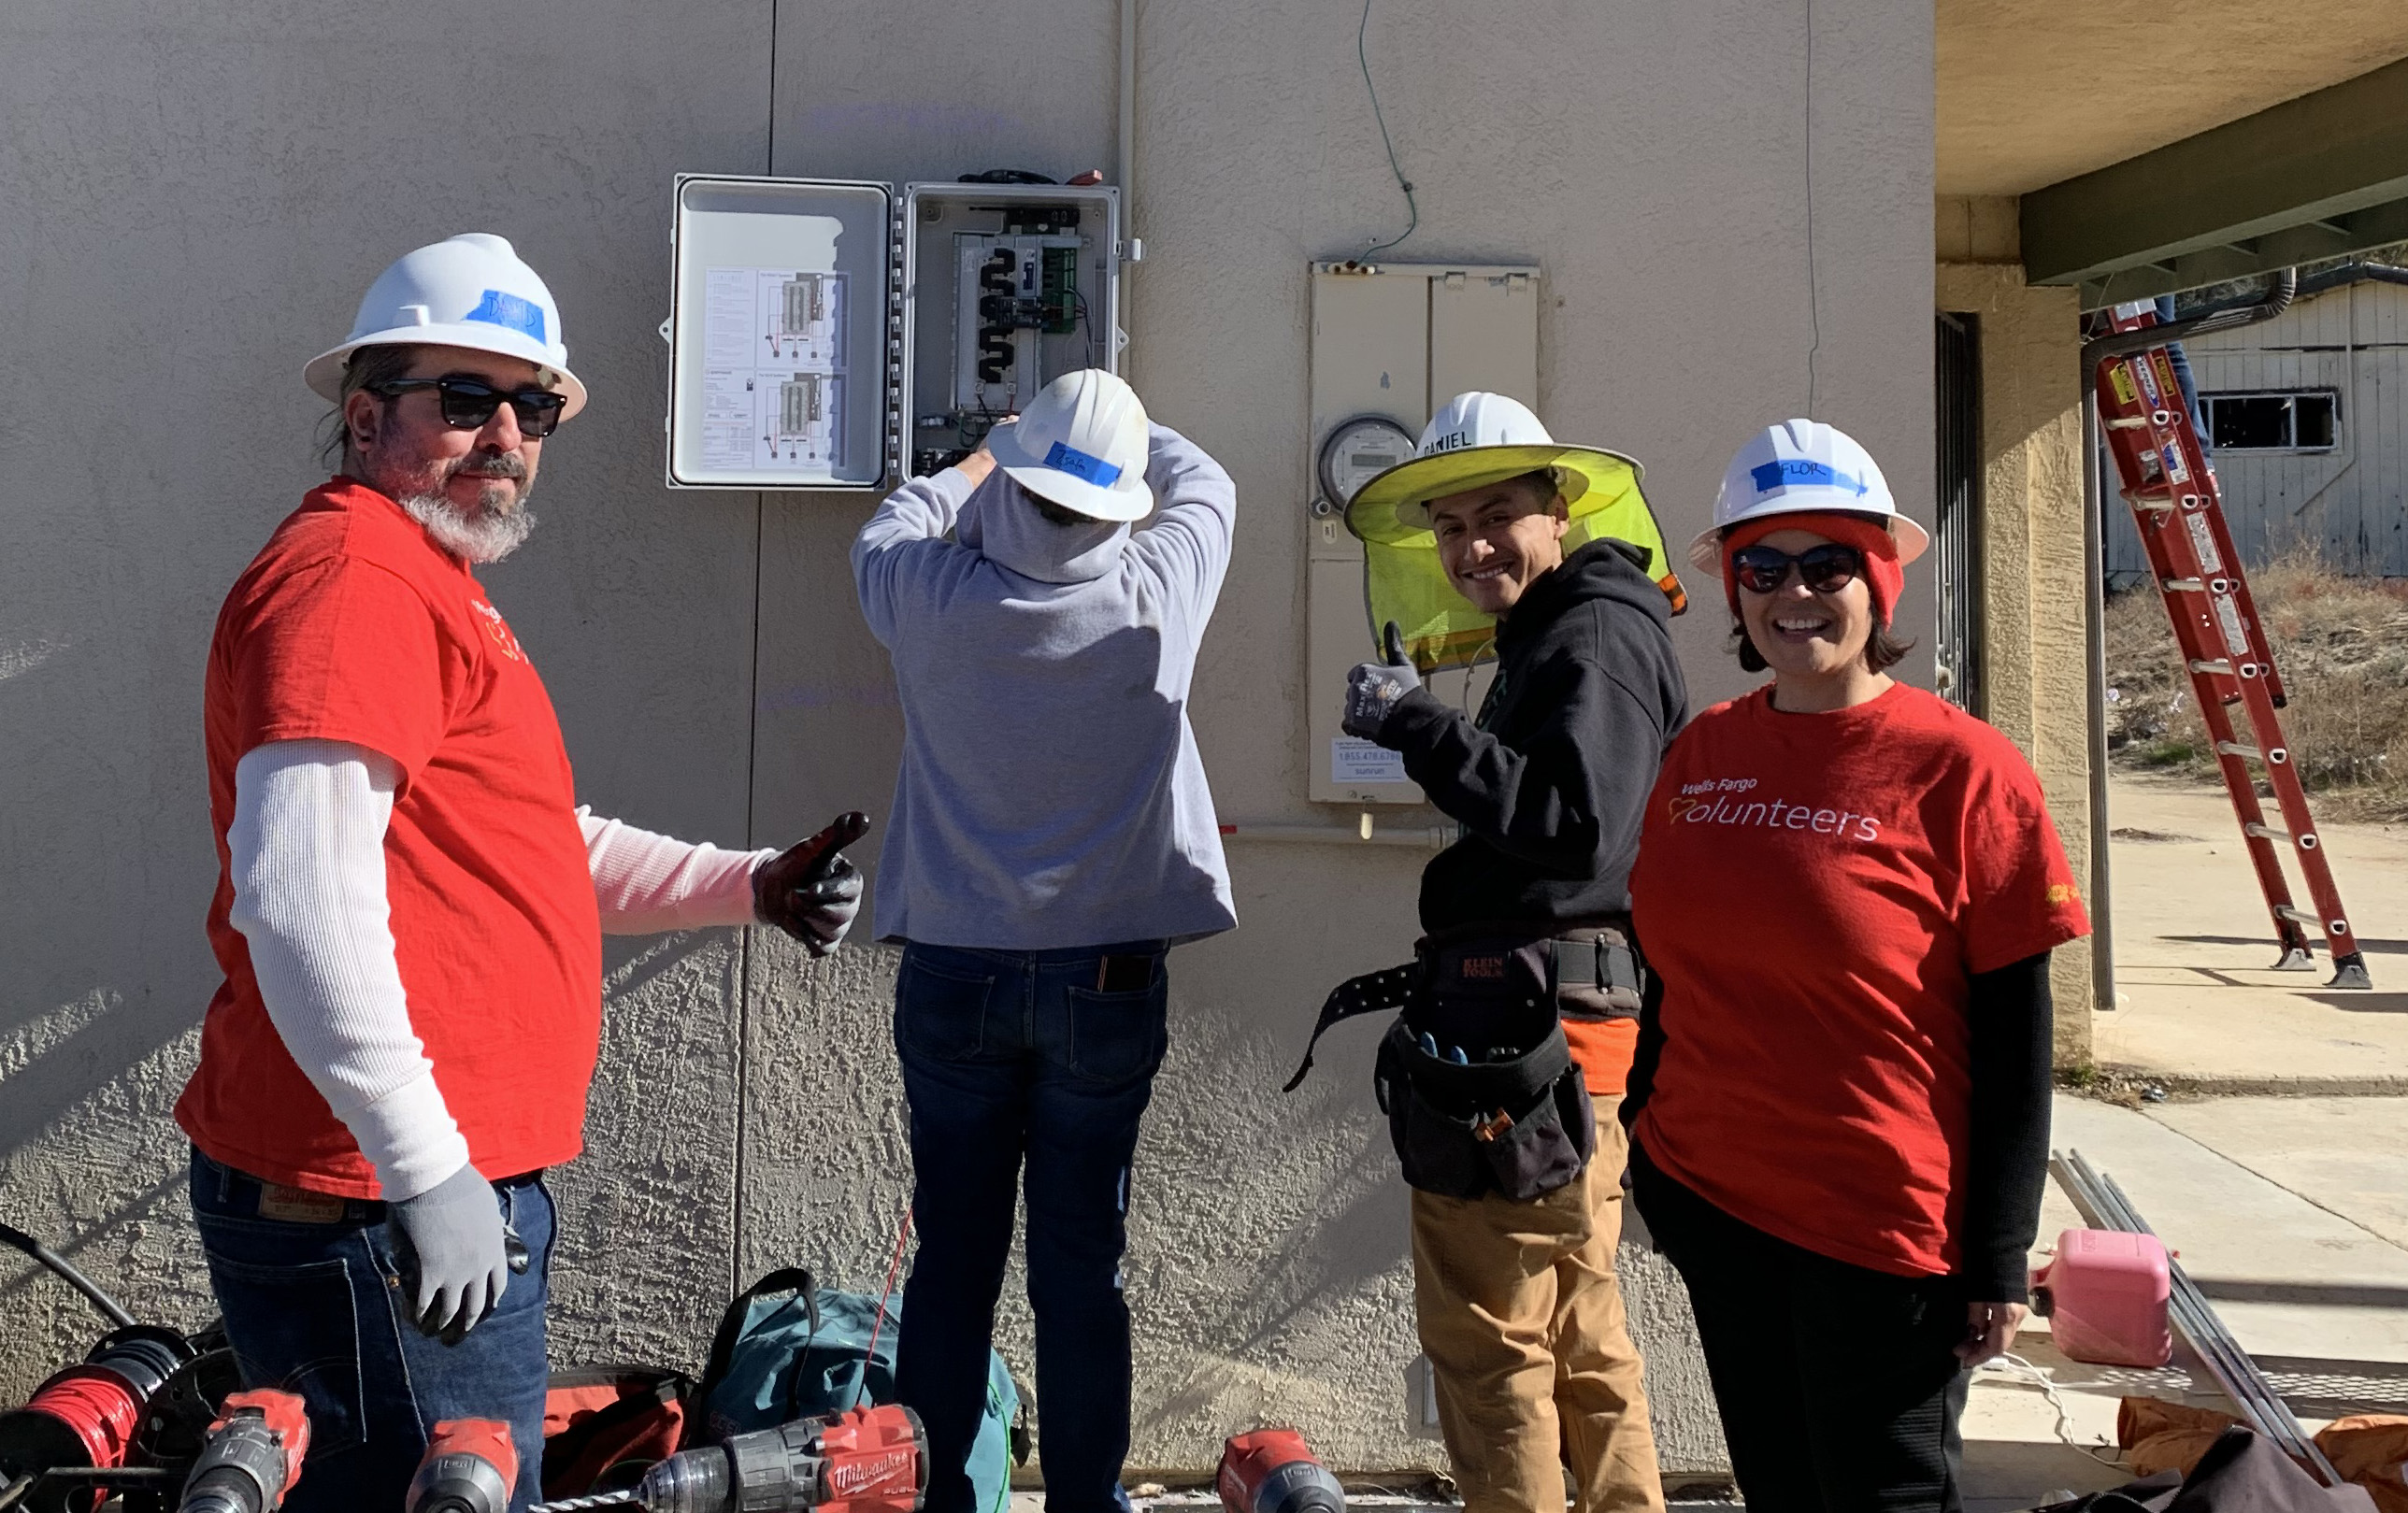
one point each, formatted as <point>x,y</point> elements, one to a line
<point>834,335</point>
<point>1389,343</point>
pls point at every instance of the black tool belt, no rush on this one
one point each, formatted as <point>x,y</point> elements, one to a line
<point>1479,1086</point>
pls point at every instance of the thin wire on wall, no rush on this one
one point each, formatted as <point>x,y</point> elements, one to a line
<point>1414,210</point>
<point>1813,284</point>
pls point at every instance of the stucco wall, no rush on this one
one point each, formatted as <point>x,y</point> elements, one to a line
<point>2035,677</point>
<point>204,188</point>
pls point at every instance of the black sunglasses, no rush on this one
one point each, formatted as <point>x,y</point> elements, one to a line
<point>469,403</point>
<point>1827,569</point>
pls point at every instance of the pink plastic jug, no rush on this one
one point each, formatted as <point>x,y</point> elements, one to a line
<point>2104,1296</point>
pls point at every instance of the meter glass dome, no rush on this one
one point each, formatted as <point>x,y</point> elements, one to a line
<point>1358,451</point>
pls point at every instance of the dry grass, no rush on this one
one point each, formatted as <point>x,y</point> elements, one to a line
<point>2342,643</point>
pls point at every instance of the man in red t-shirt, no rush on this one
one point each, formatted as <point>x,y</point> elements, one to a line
<point>409,903</point>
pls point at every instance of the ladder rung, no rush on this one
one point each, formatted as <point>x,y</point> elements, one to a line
<point>2246,753</point>
<point>2299,916</point>
<point>2126,422</point>
<point>2182,585</point>
<point>2265,832</point>
<point>2219,667</point>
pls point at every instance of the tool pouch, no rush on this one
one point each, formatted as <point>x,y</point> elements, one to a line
<point>1517,1120</point>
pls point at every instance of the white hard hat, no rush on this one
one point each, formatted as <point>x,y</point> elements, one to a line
<point>1081,444</point>
<point>1799,468</point>
<point>468,291</point>
<point>1477,439</point>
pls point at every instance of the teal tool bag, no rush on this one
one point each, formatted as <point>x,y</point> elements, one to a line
<point>788,1350</point>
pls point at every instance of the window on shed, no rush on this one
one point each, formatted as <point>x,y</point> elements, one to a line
<point>2299,421</point>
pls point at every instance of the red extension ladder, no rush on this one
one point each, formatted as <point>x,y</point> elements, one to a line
<point>2174,501</point>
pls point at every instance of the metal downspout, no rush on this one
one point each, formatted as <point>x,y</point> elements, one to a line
<point>2277,299</point>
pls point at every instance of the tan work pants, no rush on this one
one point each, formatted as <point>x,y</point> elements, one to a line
<point>1521,1316</point>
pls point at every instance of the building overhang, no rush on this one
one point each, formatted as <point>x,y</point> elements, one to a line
<point>2321,175</point>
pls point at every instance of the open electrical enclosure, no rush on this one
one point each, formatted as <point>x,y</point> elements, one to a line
<point>833,334</point>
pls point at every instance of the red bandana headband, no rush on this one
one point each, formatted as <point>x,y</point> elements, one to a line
<point>1884,577</point>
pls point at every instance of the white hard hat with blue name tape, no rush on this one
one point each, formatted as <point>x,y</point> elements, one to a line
<point>468,291</point>
<point>1081,444</point>
<point>1802,467</point>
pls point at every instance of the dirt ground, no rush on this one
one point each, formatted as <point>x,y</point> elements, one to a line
<point>2342,646</point>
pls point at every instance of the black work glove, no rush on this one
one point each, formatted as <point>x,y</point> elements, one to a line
<point>811,891</point>
<point>1374,689</point>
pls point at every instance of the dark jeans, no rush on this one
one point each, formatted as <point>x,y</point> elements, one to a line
<point>1838,1386</point>
<point>1009,1055</point>
<point>310,1304</point>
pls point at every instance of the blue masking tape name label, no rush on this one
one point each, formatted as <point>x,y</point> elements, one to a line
<point>512,312</point>
<point>1794,471</point>
<point>1094,470</point>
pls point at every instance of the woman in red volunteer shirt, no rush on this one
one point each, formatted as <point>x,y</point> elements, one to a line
<point>1848,891</point>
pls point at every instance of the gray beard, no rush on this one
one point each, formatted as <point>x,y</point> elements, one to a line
<point>488,537</point>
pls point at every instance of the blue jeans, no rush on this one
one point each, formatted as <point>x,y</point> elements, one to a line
<point>311,1303</point>
<point>1009,1055</point>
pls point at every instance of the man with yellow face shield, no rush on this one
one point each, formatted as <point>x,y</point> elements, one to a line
<point>1505,1067</point>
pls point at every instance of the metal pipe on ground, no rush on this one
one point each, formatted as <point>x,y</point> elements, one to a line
<point>2103,1204</point>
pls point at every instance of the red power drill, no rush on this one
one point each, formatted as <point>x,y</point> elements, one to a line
<point>872,1460</point>
<point>252,1457</point>
<point>1274,1471</point>
<point>468,1467</point>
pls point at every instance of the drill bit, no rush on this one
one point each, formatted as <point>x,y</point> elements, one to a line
<point>580,1505</point>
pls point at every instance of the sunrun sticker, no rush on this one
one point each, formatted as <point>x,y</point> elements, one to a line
<point>1353,761</point>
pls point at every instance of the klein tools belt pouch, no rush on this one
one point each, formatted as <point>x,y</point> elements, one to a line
<point>1517,1119</point>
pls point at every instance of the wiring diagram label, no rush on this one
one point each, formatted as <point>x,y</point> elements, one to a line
<point>774,369</point>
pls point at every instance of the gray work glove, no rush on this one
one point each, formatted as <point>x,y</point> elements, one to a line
<point>1374,689</point>
<point>447,1242</point>
<point>812,890</point>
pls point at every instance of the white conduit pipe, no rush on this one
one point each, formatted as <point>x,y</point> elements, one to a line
<point>1363,833</point>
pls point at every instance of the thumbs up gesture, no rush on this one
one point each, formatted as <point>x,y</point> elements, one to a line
<point>1374,689</point>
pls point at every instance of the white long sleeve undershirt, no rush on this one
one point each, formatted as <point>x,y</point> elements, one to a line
<point>306,859</point>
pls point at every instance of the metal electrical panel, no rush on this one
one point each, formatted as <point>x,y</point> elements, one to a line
<point>1392,340</point>
<point>826,335</point>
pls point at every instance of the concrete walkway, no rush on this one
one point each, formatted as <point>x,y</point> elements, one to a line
<point>2292,1215</point>
<point>2197,1006</point>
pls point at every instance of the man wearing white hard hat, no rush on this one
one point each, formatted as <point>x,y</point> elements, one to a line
<point>411,904</point>
<point>1522,1016</point>
<point>1053,838</point>
<point>1840,1123</point>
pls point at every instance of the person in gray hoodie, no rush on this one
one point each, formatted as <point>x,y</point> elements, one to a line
<point>1052,839</point>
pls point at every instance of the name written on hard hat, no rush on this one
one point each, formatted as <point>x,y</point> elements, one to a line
<point>1788,471</point>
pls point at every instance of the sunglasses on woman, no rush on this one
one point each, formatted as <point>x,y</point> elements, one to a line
<point>468,404</point>
<point>1827,569</point>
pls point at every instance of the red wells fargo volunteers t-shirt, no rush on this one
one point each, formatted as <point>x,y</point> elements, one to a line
<point>1814,890</point>
<point>351,625</point>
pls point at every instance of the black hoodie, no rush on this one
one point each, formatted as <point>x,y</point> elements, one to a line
<point>1550,783</point>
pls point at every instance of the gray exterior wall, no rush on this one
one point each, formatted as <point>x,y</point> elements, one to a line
<point>199,191</point>
<point>2349,504</point>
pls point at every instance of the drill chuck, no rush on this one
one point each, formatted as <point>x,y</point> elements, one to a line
<point>698,1480</point>
<point>252,1455</point>
<point>470,1467</point>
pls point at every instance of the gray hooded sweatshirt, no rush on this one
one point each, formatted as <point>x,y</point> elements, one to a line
<point>1051,793</point>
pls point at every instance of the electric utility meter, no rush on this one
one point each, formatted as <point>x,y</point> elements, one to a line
<point>833,334</point>
<point>1359,450</point>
